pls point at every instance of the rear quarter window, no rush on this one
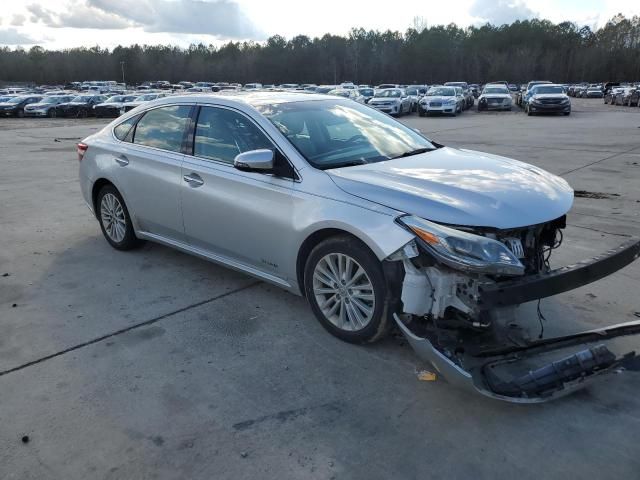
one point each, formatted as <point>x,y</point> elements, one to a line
<point>122,131</point>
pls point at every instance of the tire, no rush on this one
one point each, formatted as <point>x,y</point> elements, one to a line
<point>343,316</point>
<point>420,112</point>
<point>566,113</point>
<point>122,237</point>
<point>51,113</point>
<point>527,110</point>
<point>20,113</point>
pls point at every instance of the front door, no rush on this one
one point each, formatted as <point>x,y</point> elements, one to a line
<point>239,217</point>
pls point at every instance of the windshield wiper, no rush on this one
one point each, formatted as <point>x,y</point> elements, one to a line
<point>348,163</point>
<point>417,151</point>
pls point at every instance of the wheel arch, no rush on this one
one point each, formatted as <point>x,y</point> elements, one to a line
<point>95,190</point>
<point>321,234</point>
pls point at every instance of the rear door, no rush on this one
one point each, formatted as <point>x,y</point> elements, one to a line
<point>149,170</point>
<point>239,217</point>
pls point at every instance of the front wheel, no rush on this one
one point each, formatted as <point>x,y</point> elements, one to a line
<point>346,289</point>
<point>115,221</point>
<point>20,113</point>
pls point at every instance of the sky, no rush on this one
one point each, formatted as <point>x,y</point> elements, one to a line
<point>59,24</point>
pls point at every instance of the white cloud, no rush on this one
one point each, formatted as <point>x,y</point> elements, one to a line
<point>73,23</point>
<point>11,36</point>
<point>499,12</point>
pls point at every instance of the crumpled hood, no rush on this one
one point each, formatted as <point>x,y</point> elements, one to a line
<point>461,187</point>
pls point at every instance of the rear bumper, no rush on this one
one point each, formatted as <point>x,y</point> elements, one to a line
<point>475,368</point>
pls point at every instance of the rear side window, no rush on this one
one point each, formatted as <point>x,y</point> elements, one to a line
<point>163,127</point>
<point>221,134</point>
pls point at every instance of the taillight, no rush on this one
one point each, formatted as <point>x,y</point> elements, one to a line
<point>82,148</point>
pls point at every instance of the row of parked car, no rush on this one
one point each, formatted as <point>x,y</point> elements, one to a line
<point>71,104</point>
<point>628,96</point>
<point>110,99</point>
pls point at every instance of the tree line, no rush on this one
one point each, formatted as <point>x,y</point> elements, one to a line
<point>516,52</point>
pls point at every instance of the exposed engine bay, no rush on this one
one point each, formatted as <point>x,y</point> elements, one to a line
<point>461,314</point>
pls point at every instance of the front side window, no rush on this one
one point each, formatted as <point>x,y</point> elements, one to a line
<point>221,134</point>
<point>336,133</point>
<point>163,127</point>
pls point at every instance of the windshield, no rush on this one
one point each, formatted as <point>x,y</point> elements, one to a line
<point>338,133</point>
<point>146,98</point>
<point>544,89</point>
<point>389,93</point>
<point>16,100</point>
<point>115,99</point>
<point>367,92</point>
<point>495,90</point>
<point>82,98</point>
<point>53,100</point>
<point>441,92</point>
<point>342,93</point>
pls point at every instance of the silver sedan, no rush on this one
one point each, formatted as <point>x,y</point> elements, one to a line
<point>331,199</point>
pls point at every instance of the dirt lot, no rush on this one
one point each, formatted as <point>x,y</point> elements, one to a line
<point>154,364</point>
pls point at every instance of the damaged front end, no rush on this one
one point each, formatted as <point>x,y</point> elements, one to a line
<point>458,302</point>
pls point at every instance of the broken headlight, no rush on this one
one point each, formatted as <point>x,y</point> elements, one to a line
<point>462,250</point>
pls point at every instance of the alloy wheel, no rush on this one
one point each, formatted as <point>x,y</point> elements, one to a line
<point>113,218</point>
<point>344,292</point>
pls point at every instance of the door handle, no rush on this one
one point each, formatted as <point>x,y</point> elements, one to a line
<point>194,180</point>
<point>122,160</point>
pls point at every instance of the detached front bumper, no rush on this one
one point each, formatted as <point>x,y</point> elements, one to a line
<point>506,373</point>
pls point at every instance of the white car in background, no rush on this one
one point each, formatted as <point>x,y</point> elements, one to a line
<point>147,97</point>
<point>352,94</point>
<point>442,100</point>
<point>415,93</point>
<point>393,101</point>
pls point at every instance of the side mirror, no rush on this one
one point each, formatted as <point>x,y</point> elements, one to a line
<point>254,161</point>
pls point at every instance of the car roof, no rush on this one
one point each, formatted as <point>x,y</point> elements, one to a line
<point>244,97</point>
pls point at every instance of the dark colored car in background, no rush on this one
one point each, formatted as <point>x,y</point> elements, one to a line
<point>15,106</point>
<point>114,106</point>
<point>80,106</point>
<point>47,106</point>
<point>547,98</point>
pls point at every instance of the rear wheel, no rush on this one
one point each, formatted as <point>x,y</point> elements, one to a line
<point>346,289</point>
<point>20,113</point>
<point>114,219</point>
<point>51,113</point>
